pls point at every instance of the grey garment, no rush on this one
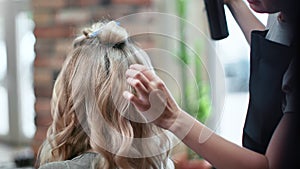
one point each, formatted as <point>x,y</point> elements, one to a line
<point>279,32</point>
<point>82,161</point>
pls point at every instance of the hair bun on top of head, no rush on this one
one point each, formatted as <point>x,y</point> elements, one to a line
<point>108,33</point>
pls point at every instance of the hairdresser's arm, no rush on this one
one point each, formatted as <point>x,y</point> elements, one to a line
<point>244,17</point>
<point>221,153</point>
<point>282,151</point>
<point>284,148</point>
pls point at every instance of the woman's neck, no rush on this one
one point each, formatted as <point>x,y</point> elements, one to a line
<point>281,17</point>
<point>285,17</point>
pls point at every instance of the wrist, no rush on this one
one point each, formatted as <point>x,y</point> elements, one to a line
<point>168,119</point>
<point>182,124</point>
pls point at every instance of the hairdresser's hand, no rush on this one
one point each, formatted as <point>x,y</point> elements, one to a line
<point>152,97</point>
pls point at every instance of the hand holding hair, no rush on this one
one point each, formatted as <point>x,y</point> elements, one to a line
<point>220,152</point>
<point>152,97</point>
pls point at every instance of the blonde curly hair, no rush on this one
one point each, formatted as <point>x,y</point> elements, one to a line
<point>88,110</point>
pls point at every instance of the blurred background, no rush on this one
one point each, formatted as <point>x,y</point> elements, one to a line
<point>35,36</point>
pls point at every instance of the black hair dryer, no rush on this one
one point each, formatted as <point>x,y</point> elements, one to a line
<point>216,19</point>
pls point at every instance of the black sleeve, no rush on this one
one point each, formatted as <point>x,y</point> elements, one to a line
<point>291,87</point>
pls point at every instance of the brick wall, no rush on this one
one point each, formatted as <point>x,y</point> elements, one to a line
<point>56,25</point>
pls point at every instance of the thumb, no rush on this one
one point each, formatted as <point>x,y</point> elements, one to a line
<point>158,102</point>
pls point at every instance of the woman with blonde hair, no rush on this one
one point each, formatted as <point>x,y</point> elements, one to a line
<point>93,126</point>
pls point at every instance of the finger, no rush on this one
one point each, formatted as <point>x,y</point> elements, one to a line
<point>138,67</point>
<point>131,73</point>
<point>132,98</point>
<point>138,86</point>
<point>138,104</point>
<point>144,86</point>
<point>157,105</point>
<point>149,73</point>
<point>127,95</point>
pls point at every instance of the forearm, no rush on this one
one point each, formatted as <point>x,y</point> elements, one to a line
<point>219,152</point>
<point>245,18</point>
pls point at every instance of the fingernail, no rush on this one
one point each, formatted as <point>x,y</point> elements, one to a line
<point>125,95</point>
<point>129,80</point>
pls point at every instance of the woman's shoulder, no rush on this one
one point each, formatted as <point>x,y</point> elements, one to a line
<point>82,161</point>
